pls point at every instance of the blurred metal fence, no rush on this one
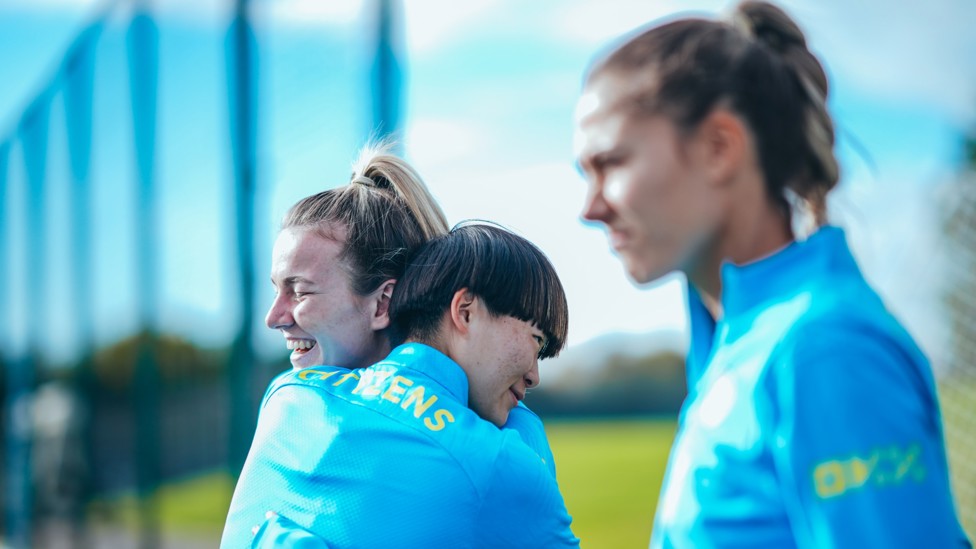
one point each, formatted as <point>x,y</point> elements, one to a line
<point>69,436</point>
<point>958,385</point>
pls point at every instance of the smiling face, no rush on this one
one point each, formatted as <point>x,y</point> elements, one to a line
<point>501,364</point>
<point>323,320</point>
<point>645,184</point>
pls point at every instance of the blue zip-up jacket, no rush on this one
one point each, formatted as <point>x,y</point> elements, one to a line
<point>811,419</point>
<point>390,456</point>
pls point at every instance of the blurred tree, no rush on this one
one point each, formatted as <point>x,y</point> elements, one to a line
<point>623,385</point>
<point>180,362</point>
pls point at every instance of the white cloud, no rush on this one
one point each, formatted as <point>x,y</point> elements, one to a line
<point>435,24</point>
<point>444,140</point>
<point>315,12</point>
<point>595,23</point>
<point>904,51</point>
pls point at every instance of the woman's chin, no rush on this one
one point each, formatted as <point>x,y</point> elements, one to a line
<point>311,357</point>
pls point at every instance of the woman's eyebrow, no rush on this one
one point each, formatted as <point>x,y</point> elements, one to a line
<point>293,280</point>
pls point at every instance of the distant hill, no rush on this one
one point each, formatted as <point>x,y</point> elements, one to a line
<point>615,374</point>
<point>578,363</point>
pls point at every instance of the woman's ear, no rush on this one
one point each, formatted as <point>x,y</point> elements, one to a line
<point>380,317</point>
<point>722,143</point>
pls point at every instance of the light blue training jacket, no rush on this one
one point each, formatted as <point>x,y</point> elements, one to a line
<point>391,456</point>
<point>811,420</point>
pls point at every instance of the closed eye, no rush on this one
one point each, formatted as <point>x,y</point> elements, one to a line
<point>540,341</point>
<point>298,294</point>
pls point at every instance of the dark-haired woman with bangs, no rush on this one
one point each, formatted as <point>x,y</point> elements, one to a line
<point>812,418</point>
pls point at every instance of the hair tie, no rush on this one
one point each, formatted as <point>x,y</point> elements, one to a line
<point>380,182</point>
<point>362,180</point>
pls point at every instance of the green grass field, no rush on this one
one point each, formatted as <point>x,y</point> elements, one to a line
<point>609,472</point>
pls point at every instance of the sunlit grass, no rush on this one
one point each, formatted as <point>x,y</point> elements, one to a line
<point>195,506</point>
<point>610,474</point>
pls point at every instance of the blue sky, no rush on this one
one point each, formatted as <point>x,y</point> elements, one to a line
<point>490,95</point>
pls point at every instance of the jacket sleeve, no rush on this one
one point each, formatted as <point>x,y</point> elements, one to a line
<point>522,506</point>
<point>858,444</point>
<point>529,427</point>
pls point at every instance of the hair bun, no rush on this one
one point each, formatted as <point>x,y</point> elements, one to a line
<point>768,25</point>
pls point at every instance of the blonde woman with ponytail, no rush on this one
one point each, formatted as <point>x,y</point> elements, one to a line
<point>812,418</point>
<point>337,258</point>
<point>335,267</point>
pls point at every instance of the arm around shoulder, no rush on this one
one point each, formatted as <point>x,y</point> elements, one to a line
<point>522,506</point>
<point>529,427</point>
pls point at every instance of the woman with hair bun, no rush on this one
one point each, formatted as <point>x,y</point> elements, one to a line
<point>335,266</point>
<point>338,256</point>
<point>812,418</point>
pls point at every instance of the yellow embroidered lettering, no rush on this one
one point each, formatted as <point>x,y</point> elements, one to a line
<point>886,475</point>
<point>441,418</point>
<point>306,374</point>
<point>397,388</point>
<point>370,383</point>
<point>885,466</point>
<point>859,471</point>
<point>416,397</point>
<point>828,478</point>
<point>910,465</point>
<point>345,377</point>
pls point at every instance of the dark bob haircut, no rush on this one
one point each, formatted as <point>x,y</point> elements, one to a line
<point>507,272</point>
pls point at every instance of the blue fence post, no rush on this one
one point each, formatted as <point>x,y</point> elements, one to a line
<point>241,48</point>
<point>77,72</point>
<point>33,131</point>
<point>387,71</point>
<point>16,494</point>
<point>142,47</point>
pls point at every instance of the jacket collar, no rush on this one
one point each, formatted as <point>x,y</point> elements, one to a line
<point>821,256</point>
<point>432,364</point>
<point>745,287</point>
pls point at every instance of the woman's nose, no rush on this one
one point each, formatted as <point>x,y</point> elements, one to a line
<point>532,378</point>
<point>279,315</point>
<point>595,207</point>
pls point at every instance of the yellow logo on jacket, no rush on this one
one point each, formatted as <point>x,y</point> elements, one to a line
<point>400,390</point>
<point>881,467</point>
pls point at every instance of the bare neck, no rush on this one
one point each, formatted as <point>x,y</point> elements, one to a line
<point>752,234</point>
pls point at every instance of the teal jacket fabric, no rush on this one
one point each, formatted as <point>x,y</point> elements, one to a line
<point>529,427</point>
<point>390,456</point>
<point>811,419</point>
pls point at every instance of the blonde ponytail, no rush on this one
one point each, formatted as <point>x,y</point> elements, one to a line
<point>378,167</point>
<point>381,217</point>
